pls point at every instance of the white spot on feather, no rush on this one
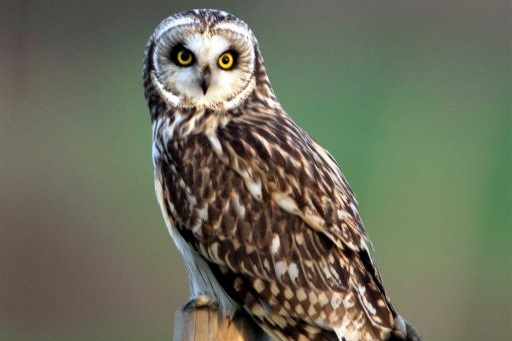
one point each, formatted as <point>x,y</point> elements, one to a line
<point>203,213</point>
<point>285,202</point>
<point>293,272</point>
<point>276,244</point>
<point>280,268</point>
<point>335,302</point>
<point>255,188</point>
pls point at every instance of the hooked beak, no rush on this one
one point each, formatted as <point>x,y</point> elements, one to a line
<point>206,75</point>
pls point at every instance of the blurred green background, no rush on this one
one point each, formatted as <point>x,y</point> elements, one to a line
<point>412,97</point>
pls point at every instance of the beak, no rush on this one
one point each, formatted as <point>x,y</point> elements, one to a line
<point>206,75</point>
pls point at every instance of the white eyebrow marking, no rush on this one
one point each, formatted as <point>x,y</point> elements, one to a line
<point>168,24</point>
<point>234,27</point>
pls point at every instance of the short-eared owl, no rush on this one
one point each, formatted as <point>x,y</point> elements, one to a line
<point>263,216</point>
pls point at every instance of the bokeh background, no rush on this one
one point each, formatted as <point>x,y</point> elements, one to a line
<point>412,97</point>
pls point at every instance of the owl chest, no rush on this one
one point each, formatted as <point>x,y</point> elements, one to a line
<point>199,186</point>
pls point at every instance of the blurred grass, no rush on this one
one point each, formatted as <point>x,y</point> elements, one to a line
<point>413,99</point>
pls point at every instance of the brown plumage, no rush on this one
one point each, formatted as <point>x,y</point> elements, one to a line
<point>264,218</point>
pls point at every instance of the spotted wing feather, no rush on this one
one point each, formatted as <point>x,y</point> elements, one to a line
<point>269,209</point>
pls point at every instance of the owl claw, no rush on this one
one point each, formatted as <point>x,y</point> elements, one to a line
<point>201,301</point>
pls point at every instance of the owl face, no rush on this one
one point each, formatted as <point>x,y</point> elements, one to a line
<point>203,63</point>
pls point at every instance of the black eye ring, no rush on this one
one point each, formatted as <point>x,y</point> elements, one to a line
<point>227,60</point>
<point>182,56</point>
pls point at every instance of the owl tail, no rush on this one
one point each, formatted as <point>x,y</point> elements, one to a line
<point>404,331</point>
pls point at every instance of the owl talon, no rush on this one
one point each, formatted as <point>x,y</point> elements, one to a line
<point>201,301</point>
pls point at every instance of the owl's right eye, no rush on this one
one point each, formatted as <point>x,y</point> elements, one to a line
<point>182,56</point>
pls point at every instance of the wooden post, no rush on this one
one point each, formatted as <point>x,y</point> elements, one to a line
<point>205,324</point>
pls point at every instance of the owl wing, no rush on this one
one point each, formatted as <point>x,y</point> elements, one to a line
<point>272,213</point>
<point>301,186</point>
<point>301,177</point>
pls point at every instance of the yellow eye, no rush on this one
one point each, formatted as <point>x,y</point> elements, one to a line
<point>226,61</point>
<point>184,57</point>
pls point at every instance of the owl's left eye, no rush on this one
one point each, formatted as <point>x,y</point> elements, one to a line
<point>182,56</point>
<point>227,60</point>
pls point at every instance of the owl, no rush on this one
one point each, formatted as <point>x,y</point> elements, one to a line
<point>265,221</point>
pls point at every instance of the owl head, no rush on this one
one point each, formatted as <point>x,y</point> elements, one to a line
<point>202,59</point>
